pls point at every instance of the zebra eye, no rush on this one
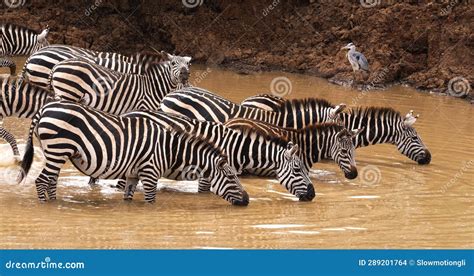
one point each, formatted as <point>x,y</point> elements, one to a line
<point>343,151</point>
<point>173,63</point>
<point>414,138</point>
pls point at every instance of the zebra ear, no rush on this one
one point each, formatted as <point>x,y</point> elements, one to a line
<point>342,133</point>
<point>42,36</point>
<point>221,163</point>
<point>292,149</point>
<point>410,119</point>
<point>356,132</point>
<point>337,109</point>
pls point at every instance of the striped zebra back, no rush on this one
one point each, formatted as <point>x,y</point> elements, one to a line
<point>38,66</point>
<point>19,41</point>
<point>200,104</point>
<point>264,101</point>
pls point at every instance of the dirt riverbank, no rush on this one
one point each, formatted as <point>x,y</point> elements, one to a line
<point>427,44</point>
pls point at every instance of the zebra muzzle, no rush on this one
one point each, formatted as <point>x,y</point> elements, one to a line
<point>425,159</point>
<point>244,201</point>
<point>352,173</point>
<point>310,194</point>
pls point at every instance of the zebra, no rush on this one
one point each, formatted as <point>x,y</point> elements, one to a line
<point>317,142</point>
<point>247,151</point>
<point>79,80</point>
<point>37,68</point>
<point>200,104</point>
<point>4,62</point>
<point>113,147</point>
<point>18,99</point>
<point>382,125</point>
<point>20,41</point>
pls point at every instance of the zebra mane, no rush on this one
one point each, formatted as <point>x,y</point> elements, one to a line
<point>373,111</point>
<point>148,59</point>
<point>317,127</point>
<point>248,130</point>
<point>19,27</point>
<point>302,103</point>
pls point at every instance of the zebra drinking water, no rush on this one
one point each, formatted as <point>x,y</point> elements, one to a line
<point>247,151</point>
<point>317,142</point>
<point>113,147</point>
<point>381,125</point>
<point>20,41</point>
<point>200,104</point>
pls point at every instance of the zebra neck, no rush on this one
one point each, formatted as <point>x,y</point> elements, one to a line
<point>321,143</point>
<point>161,82</point>
<point>248,151</point>
<point>304,141</point>
<point>376,130</point>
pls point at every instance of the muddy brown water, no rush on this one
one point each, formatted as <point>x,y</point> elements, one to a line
<point>394,203</point>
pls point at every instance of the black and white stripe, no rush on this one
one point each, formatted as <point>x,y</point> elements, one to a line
<point>381,125</point>
<point>20,41</point>
<point>248,151</point>
<point>111,147</point>
<point>200,104</point>
<point>80,80</point>
<point>317,142</point>
<point>38,67</point>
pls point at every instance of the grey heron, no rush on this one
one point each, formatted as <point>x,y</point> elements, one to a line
<point>357,59</point>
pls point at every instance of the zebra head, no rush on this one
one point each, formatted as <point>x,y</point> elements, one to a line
<point>225,183</point>
<point>292,173</point>
<point>179,67</point>
<point>409,142</point>
<point>342,152</point>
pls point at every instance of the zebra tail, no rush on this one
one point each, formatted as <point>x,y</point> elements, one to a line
<point>29,151</point>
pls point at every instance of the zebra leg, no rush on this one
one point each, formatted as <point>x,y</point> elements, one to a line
<point>53,181</point>
<point>149,186</point>
<point>129,189</point>
<point>204,186</point>
<point>43,185</point>
<point>93,181</point>
<point>120,185</point>
<point>47,181</point>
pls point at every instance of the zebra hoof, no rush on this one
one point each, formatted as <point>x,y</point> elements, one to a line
<point>244,201</point>
<point>310,194</point>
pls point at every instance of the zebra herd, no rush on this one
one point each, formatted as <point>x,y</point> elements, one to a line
<point>137,119</point>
